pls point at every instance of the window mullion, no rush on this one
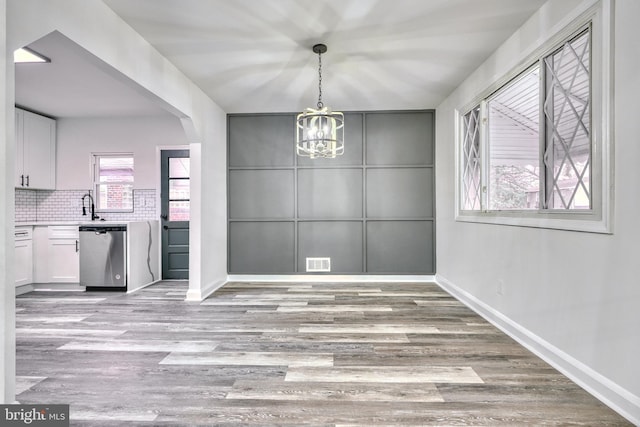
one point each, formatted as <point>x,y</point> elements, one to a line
<point>94,169</point>
<point>549,136</point>
<point>484,156</point>
<point>542,135</point>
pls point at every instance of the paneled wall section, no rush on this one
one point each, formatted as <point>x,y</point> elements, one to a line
<point>371,210</point>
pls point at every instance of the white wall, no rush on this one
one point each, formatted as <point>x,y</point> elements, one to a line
<point>78,139</point>
<point>7,168</point>
<point>208,243</point>
<point>96,28</point>
<point>572,296</point>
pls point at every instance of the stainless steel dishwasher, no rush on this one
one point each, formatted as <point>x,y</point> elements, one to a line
<point>103,255</point>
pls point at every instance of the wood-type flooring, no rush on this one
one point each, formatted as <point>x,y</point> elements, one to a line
<point>286,354</point>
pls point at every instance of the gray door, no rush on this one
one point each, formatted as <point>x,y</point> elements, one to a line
<point>175,214</point>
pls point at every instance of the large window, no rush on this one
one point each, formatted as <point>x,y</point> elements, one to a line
<point>113,182</point>
<point>527,148</point>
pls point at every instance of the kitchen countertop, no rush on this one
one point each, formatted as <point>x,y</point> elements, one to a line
<point>34,223</point>
<point>74,223</point>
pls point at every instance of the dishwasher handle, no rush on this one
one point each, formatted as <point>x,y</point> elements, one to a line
<point>102,229</point>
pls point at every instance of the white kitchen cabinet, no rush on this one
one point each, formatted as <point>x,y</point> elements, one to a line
<point>40,254</point>
<point>56,257</point>
<point>35,151</point>
<point>23,256</point>
<point>63,256</point>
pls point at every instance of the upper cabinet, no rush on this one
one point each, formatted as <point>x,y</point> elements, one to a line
<point>35,151</point>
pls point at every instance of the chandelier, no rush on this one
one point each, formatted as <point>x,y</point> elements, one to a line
<point>320,132</point>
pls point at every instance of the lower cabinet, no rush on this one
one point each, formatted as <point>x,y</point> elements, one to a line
<point>56,252</point>
<point>64,258</point>
<point>40,254</point>
<point>23,256</point>
<point>64,265</point>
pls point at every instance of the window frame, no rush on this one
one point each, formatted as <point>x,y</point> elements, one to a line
<point>598,219</point>
<point>95,162</point>
<point>181,200</point>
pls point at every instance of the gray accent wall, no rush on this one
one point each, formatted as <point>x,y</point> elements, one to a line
<point>371,210</point>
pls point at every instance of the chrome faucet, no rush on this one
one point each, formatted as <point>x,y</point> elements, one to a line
<point>92,207</point>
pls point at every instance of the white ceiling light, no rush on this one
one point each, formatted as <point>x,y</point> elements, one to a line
<point>320,132</point>
<point>26,55</point>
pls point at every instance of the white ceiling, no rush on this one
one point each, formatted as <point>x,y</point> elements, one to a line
<point>77,84</point>
<point>255,56</point>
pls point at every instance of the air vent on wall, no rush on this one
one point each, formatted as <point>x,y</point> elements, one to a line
<point>315,265</point>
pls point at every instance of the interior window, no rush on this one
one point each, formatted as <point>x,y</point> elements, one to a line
<point>113,182</point>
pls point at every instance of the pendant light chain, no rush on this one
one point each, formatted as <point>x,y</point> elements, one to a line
<point>320,104</point>
<point>320,133</point>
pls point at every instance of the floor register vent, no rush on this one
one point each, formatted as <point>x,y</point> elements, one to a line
<point>316,265</point>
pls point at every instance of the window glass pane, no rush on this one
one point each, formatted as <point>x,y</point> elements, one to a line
<point>179,211</point>
<point>514,153</point>
<point>115,197</point>
<point>179,189</point>
<point>471,160</point>
<point>179,167</point>
<point>567,111</point>
<point>114,183</point>
<point>115,169</point>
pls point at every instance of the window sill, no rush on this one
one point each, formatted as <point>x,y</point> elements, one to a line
<point>587,222</point>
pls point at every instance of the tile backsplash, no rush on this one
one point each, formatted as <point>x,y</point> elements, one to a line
<point>25,205</point>
<point>66,205</point>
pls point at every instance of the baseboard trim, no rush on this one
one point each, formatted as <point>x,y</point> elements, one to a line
<point>326,278</point>
<point>58,287</point>
<point>198,295</point>
<point>610,393</point>
<point>131,291</point>
<point>24,289</point>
